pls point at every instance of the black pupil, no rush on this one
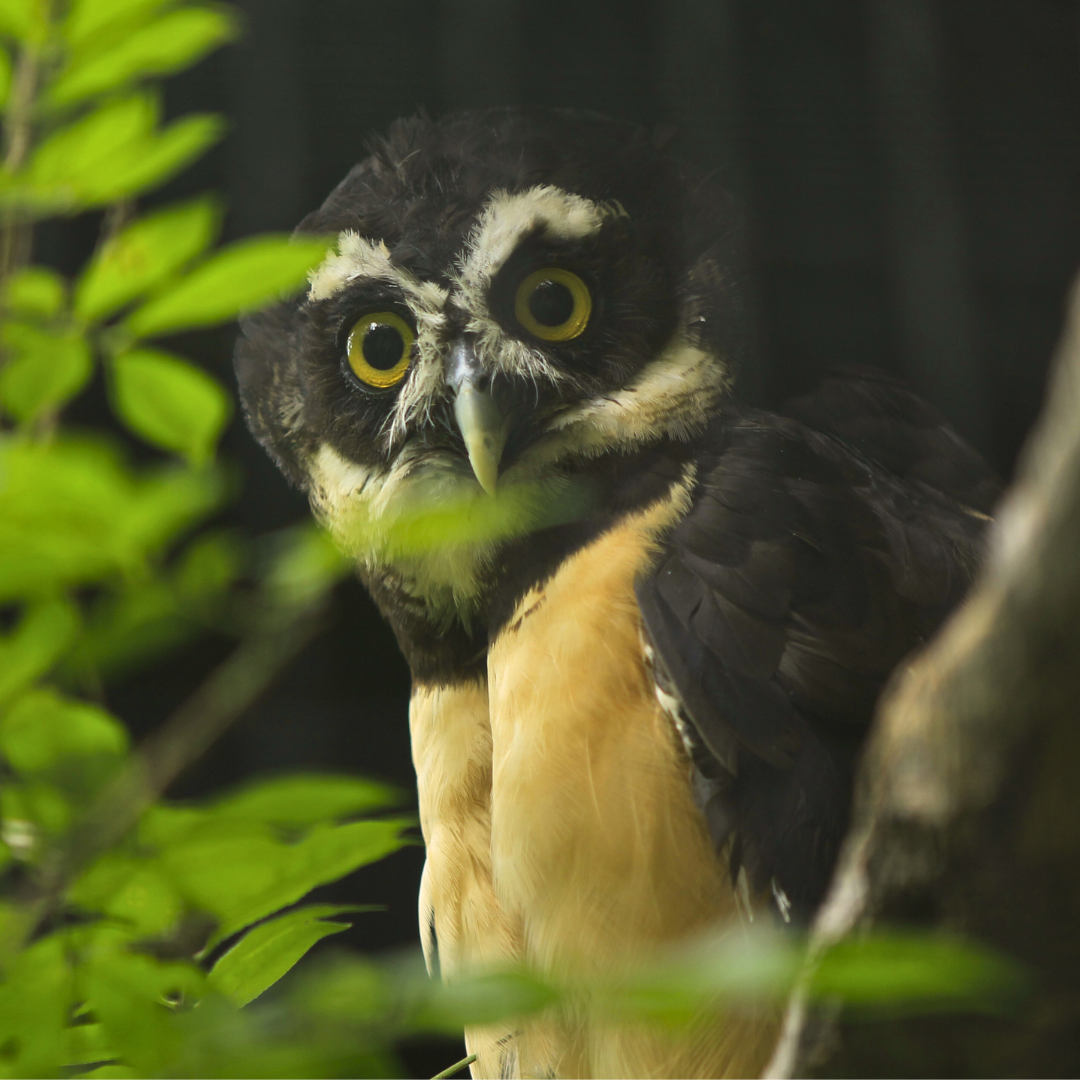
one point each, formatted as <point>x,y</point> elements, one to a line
<point>551,303</point>
<point>383,347</point>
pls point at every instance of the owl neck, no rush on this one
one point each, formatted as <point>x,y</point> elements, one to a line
<point>444,632</point>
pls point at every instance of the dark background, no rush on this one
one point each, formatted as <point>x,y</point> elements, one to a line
<point>910,175</point>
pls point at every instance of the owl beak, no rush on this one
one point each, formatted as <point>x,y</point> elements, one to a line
<point>482,424</point>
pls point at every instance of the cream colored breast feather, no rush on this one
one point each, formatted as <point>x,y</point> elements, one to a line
<point>561,831</point>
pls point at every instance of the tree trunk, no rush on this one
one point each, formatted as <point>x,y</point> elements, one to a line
<point>967,814</point>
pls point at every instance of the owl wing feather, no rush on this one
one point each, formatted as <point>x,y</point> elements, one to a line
<point>820,548</point>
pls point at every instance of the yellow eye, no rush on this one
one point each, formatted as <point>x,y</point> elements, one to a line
<point>380,348</point>
<point>553,304</point>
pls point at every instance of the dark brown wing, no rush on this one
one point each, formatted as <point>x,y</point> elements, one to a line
<point>803,573</point>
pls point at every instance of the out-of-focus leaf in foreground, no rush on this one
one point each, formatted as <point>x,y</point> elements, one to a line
<point>144,254</point>
<point>170,403</point>
<point>167,44</point>
<point>245,275</point>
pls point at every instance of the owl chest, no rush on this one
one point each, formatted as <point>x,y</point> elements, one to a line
<point>554,795</point>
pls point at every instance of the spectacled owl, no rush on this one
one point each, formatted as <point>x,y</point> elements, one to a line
<point>646,623</point>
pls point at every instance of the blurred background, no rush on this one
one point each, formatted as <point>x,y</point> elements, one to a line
<point>909,171</point>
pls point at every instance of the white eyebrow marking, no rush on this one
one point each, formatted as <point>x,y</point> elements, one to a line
<point>358,257</point>
<point>505,221</point>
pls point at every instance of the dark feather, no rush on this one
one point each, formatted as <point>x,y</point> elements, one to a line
<point>815,556</point>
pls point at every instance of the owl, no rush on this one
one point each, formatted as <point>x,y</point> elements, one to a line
<point>646,622</point>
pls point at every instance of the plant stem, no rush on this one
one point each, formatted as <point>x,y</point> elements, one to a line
<point>15,234</point>
<point>455,1069</point>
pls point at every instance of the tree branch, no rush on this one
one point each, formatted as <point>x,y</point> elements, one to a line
<point>967,813</point>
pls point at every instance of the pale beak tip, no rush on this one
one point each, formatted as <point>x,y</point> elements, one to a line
<point>485,466</point>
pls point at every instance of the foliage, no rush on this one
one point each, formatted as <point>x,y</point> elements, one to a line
<point>121,912</point>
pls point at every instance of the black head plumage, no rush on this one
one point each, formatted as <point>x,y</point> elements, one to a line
<point>660,265</point>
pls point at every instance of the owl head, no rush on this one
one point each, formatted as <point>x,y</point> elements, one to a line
<point>516,299</point>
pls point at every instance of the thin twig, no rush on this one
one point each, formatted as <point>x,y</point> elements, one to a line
<point>455,1069</point>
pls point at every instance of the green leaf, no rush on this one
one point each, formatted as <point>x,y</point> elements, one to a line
<point>112,153</point>
<point>5,77</point>
<point>20,19</point>
<point>90,146</point>
<point>305,564</point>
<point>42,637</point>
<point>242,872</point>
<point>150,162</point>
<point>208,566</point>
<point>170,43</point>
<point>87,18</point>
<point>86,1043</point>
<point>148,617</point>
<point>35,292</point>
<point>272,949</point>
<point>71,513</point>
<point>483,999</point>
<point>299,799</point>
<point>35,1001</point>
<point>241,277</point>
<point>126,992</point>
<point>144,254</point>
<point>169,402</point>
<point>929,969</point>
<point>29,809</point>
<point>42,729</point>
<point>45,371</point>
<point>166,504</point>
<point>130,889</point>
<point>59,510</point>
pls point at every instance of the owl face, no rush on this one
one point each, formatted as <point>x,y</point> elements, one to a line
<point>511,297</point>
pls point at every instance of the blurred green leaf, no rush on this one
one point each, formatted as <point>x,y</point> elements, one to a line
<point>174,41</point>
<point>129,627</point>
<point>483,999</point>
<point>242,872</point>
<point>87,18</point>
<point>110,154</point>
<point>6,75</point>
<point>91,146</point>
<point>130,889</point>
<point>208,566</point>
<point>109,1072</point>
<point>42,728</point>
<point>21,19</point>
<point>169,402</point>
<point>45,632</point>
<point>127,993</point>
<point>144,618</point>
<point>149,162</point>
<point>300,799</point>
<point>71,513</point>
<point>144,254</point>
<point>893,970</point>
<point>243,276</point>
<point>86,1044</point>
<point>30,809</point>
<point>35,1000</point>
<point>265,954</point>
<point>35,292</point>
<point>304,564</point>
<point>44,372</point>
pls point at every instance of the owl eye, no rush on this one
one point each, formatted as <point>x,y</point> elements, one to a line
<point>553,304</point>
<point>380,348</point>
